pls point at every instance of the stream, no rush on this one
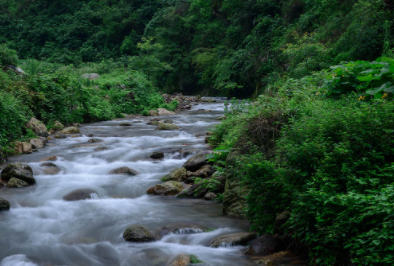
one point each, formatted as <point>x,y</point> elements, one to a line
<point>43,229</point>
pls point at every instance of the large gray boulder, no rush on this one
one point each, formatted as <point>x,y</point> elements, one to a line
<point>20,171</point>
<point>16,183</point>
<point>176,175</point>
<point>37,127</point>
<point>169,188</point>
<point>197,161</point>
<point>80,194</point>
<point>163,111</point>
<point>4,205</point>
<point>233,239</point>
<point>37,143</point>
<point>137,233</point>
<point>23,147</point>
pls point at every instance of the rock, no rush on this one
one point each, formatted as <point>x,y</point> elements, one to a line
<point>37,143</point>
<point>169,188</point>
<point>137,233</point>
<point>210,196</point>
<point>4,205</point>
<point>163,111</point>
<point>58,126</point>
<point>168,121</point>
<point>125,124</point>
<point>20,171</point>
<point>37,127</point>
<point>16,183</point>
<point>80,194</point>
<point>190,180</point>
<point>123,171</point>
<point>101,149</point>
<point>51,131</point>
<point>45,140</point>
<point>181,229</point>
<point>154,119</point>
<point>280,220</point>
<point>155,123</point>
<point>233,239</point>
<point>163,126</point>
<point>153,113</point>
<point>176,175</point>
<point>76,124</point>
<point>208,100</point>
<point>266,262</point>
<point>180,260</point>
<point>51,158</point>
<point>70,130</point>
<point>95,140</point>
<point>50,168</point>
<point>265,245</point>
<point>90,76</point>
<point>199,190</point>
<point>197,161</point>
<point>157,155</point>
<point>204,172</point>
<point>23,147</point>
<point>137,122</point>
<point>60,136</point>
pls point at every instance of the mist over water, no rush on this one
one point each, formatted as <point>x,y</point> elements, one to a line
<point>43,229</point>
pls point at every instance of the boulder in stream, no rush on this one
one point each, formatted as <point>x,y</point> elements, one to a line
<point>37,127</point>
<point>18,170</point>
<point>80,194</point>
<point>123,171</point>
<point>50,159</point>
<point>50,168</point>
<point>125,124</point>
<point>154,123</point>
<point>95,140</point>
<point>70,130</point>
<point>16,183</point>
<point>168,121</point>
<point>233,239</point>
<point>197,161</point>
<point>181,229</point>
<point>58,126</point>
<point>157,155</point>
<point>4,205</point>
<point>178,174</point>
<point>37,143</point>
<point>164,126</point>
<point>265,245</point>
<point>169,188</point>
<point>137,233</point>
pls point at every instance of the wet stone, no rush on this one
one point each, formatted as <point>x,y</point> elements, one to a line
<point>137,233</point>
<point>157,155</point>
<point>95,140</point>
<point>4,205</point>
<point>80,194</point>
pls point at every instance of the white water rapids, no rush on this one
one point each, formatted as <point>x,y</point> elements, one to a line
<point>43,229</point>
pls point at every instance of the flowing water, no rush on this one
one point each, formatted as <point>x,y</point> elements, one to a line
<point>43,229</point>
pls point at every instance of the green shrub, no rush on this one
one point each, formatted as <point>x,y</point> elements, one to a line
<point>8,56</point>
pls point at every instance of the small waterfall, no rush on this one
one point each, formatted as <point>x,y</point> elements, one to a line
<point>226,245</point>
<point>94,196</point>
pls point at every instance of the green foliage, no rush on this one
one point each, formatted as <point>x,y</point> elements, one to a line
<point>194,259</point>
<point>367,79</point>
<point>209,184</point>
<point>8,56</point>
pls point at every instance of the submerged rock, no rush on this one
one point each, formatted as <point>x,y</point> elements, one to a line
<point>163,126</point>
<point>265,245</point>
<point>180,260</point>
<point>37,127</point>
<point>95,140</point>
<point>155,123</point>
<point>51,168</point>
<point>70,130</point>
<point>169,188</point>
<point>123,171</point>
<point>137,233</point>
<point>23,147</point>
<point>157,155</point>
<point>4,205</point>
<point>16,183</point>
<point>233,239</point>
<point>197,161</point>
<point>51,158</point>
<point>80,194</point>
<point>176,175</point>
<point>102,149</point>
<point>20,171</point>
<point>125,124</point>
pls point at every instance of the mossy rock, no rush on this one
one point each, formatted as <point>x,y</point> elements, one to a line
<point>169,188</point>
<point>20,171</point>
<point>137,233</point>
<point>164,126</point>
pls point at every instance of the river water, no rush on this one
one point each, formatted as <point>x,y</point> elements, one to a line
<point>43,229</point>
